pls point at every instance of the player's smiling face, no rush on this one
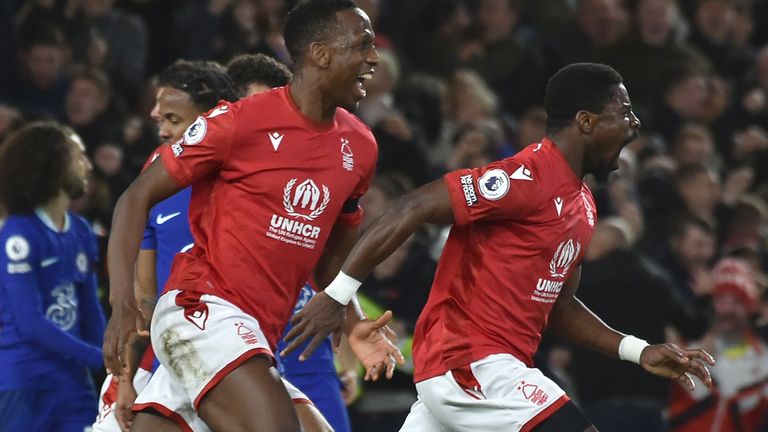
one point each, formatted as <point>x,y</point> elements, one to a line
<point>353,57</point>
<point>615,127</point>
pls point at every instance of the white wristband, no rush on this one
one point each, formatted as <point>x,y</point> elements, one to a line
<point>630,348</point>
<point>343,288</point>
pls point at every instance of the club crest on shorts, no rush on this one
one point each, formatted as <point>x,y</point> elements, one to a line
<point>196,131</point>
<point>494,184</point>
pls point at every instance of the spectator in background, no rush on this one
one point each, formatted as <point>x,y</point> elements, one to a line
<point>684,100</point>
<point>738,400</point>
<point>10,120</point>
<point>693,145</point>
<point>648,58</point>
<point>628,291</point>
<point>435,37</point>
<point>597,27</point>
<point>700,189</point>
<point>714,22</point>
<point>52,324</point>
<point>89,109</point>
<point>41,82</point>
<point>505,56</point>
<point>113,40</point>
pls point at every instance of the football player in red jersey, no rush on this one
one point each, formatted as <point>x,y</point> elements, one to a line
<point>275,182</point>
<point>509,270</point>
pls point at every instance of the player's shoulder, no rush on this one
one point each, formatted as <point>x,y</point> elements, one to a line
<point>539,162</point>
<point>265,100</point>
<point>19,224</point>
<point>152,156</point>
<point>19,236</point>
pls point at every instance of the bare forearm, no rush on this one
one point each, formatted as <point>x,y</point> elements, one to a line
<point>574,321</point>
<point>128,222</point>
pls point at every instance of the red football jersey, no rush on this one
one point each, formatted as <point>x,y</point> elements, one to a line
<point>268,185</point>
<point>522,227</point>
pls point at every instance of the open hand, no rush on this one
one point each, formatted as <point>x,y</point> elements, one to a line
<point>671,361</point>
<point>373,347</point>
<point>321,316</point>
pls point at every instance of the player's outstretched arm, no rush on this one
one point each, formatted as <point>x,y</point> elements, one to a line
<point>571,319</point>
<point>128,220</point>
<point>323,314</point>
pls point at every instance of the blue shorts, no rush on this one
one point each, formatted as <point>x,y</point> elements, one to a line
<point>324,390</point>
<point>61,410</point>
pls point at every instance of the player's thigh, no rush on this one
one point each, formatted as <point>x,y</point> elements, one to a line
<point>324,390</point>
<point>420,419</point>
<point>567,418</point>
<point>251,395</point>
<point>496,393</point>
<point>76,409</point>
<point>149,420</point>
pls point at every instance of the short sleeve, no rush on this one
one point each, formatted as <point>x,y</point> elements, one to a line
<point>506,189</point>
<point>204,146</point>
<point>351,213</point>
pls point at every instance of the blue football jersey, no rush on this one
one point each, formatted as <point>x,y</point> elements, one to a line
<point>320,361</point>
<point>167,232</point>
<point>51,323</point>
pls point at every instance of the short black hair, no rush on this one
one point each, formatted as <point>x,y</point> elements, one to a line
<point>247,69</point>
<point>205,82</point>
<point>34,164</point>
<point>310,21</point>
<point>577,87</point>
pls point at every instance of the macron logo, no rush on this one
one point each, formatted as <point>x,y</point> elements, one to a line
<point>276,139</point>
<point>558,205</point>
<point>218,111</point>
<point>163,219</point>
<point>522,173</point>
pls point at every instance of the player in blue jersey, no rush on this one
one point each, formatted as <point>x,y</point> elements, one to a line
<point>316,376</point>
<point>51,323</point>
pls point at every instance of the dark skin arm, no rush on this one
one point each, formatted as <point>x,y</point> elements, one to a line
<point>322,315</point>
<point>130,216</point>
<point>570,319</point>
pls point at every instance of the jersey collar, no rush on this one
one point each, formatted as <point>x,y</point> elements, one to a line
<point>49,223</point>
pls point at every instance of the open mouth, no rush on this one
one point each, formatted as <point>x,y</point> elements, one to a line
<point>361,79</point>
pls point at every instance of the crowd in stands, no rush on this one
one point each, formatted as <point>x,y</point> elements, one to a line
<point>680,248</point>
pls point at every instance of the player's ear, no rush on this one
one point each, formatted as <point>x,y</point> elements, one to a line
<point>585,121</point>
<point>320,54</point>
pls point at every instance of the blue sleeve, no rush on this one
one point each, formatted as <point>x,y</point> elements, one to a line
<point>92,322</point>
<point>25,303</point>
<point>149,241</point>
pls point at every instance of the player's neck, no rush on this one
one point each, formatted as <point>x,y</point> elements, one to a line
<point>308,98</point>
<point>56,209</point>
<point>572,150</point>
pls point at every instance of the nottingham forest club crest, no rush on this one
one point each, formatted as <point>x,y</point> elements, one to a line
<point>303,200</point>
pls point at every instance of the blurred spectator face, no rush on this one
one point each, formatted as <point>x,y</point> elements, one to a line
<point>85,101</point>
<point>496,19</point>
<point>44,64</point>
<point>694,248</point>
<point>109,159</point>
<point>701,193</point>
<point>472,149</point>
<point>470,99</point>
<point>731,315</point>
<point>174,111</point>
<point>10,117</point>
<point>655,19</point>
<point>689,96</point>
<point>693,146</point>
<point>603,21</point>
<point>96,8</point>
<point>734,296</point>
<point>715,19</point>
